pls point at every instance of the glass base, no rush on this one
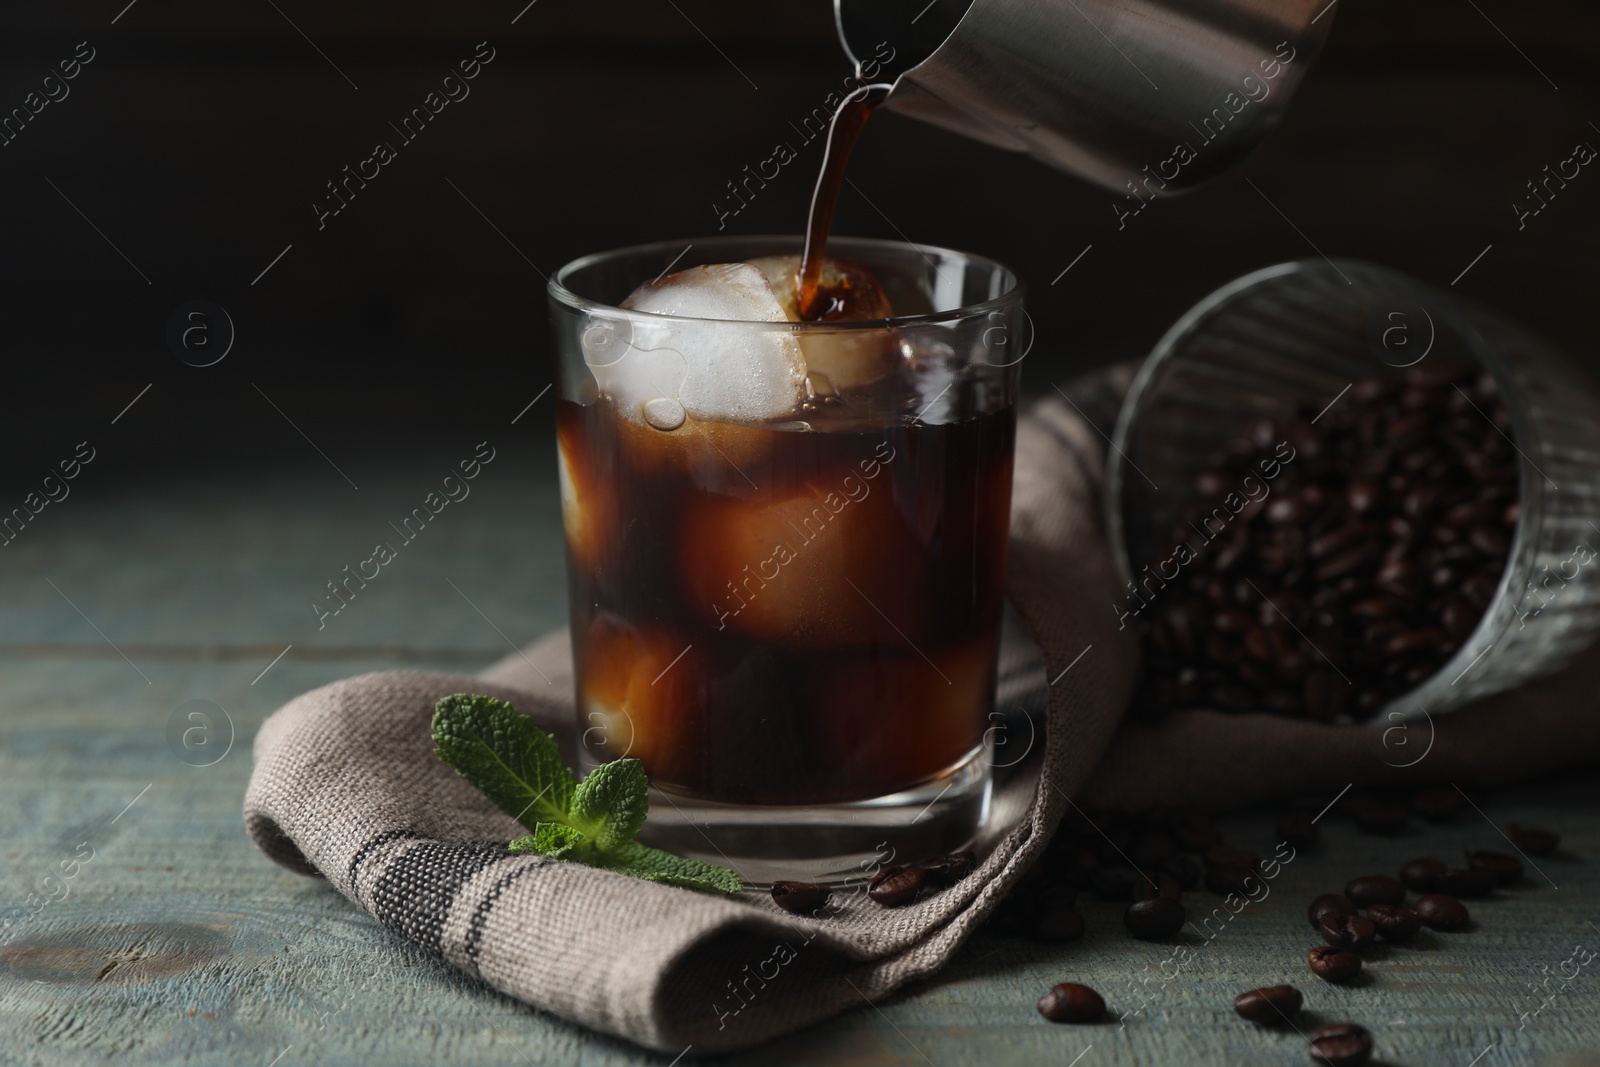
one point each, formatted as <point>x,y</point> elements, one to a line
<point>827,843</point>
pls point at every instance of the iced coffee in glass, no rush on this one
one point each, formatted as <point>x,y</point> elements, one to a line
<point>786,540</point>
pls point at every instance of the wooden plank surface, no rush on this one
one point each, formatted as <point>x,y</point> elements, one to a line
<point>174,942</point>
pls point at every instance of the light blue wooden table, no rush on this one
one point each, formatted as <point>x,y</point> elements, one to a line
<point>173,941</point>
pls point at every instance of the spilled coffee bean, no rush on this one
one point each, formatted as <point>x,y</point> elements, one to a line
<point>1329,904</point>
<point>895,886</point>
<point>1153,919</point>
<point>1375,889</point>
<point>1341,1045</point>
<point>1422,875</point>
<point>1532,840</point>
<point>1070,1002</point>
<point>1506,870</point>
<point>1333,964</point>
<point>1394,923</point>
<point>1273,1005</point>
<point>801,898</point>
<point>1439,911</point>
<point>1348,931</point>
<point>1297,828</point>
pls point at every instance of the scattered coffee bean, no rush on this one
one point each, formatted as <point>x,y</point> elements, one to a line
<point>1185,870</point>
<point>1422,875</point>
<point>1297,828</point>
<point>1467,883</point>
<point>1533,840</point>
<point>1394,923</point>
<point>1271,1005</point>
<point>1329,904</point>
<point>1348,931</point>
<point>1440,912</point>
<point>1153,919</point>
<point>1225,880</point>
<point>802,898</point>
<point>1507,870</point>
<point>1333,964</point>
<point>948,870</point>
<point>894,886</point>
<point>1341,1045</point>
<point>1151,884</point>
<point>1437,805</point>
<point>1375,889</point>
<point>1070,1002</point>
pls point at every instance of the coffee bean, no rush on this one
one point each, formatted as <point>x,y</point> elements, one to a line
<point>1440,912</point>
<point>1533,840</point>
<point>1347,931</point>
<point>1329,904</point>
<point>1465,883</point>
<point>1488,540</point>
<point>1422,875</point>
<point>1297,829</point>
<point>948,870</point>
<point>1362,495</point>
<point>1507,870</point>
<point>1225,880</point>
<point>1394,923</point>
<point>1404,644</point>
<point>1333,964</point>
<point>1185,870</point>
<point>1153,919</point>
<point>1271,1005</point>
<point>1151,848</point>
<point>1152,884</point>
<point>1341,1045</point>
<point>1070,1002</point>
<point>802,898</point>
<point>895,886</point>
<point>1375,889</point>
<point>1224,856</point>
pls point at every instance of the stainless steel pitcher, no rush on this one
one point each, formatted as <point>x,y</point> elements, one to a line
<point>1148,96</point>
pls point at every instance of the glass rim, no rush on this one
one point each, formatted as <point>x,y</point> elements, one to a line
<point>559,291</point>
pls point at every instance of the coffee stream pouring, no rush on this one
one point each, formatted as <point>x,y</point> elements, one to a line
<point>1148,96</point>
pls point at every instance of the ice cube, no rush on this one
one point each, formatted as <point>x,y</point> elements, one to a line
<point>587,508</point>
<point>713,372</point>
<point>834,566</point>
<point>638,687</point>
<point>845,358</point>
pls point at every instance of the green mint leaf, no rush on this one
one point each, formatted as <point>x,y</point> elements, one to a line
<point>499,750</point>
<point>519,768</point>
<point>611,802</point>
<point>654,865</point>
<point>558,842</point>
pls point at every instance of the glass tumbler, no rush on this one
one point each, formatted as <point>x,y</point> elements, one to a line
<point>1298,334</point>
<point>786,553</point>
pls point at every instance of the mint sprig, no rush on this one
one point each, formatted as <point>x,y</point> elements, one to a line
<point>595,821</point>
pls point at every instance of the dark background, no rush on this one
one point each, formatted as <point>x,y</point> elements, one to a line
<point>200,135</point>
